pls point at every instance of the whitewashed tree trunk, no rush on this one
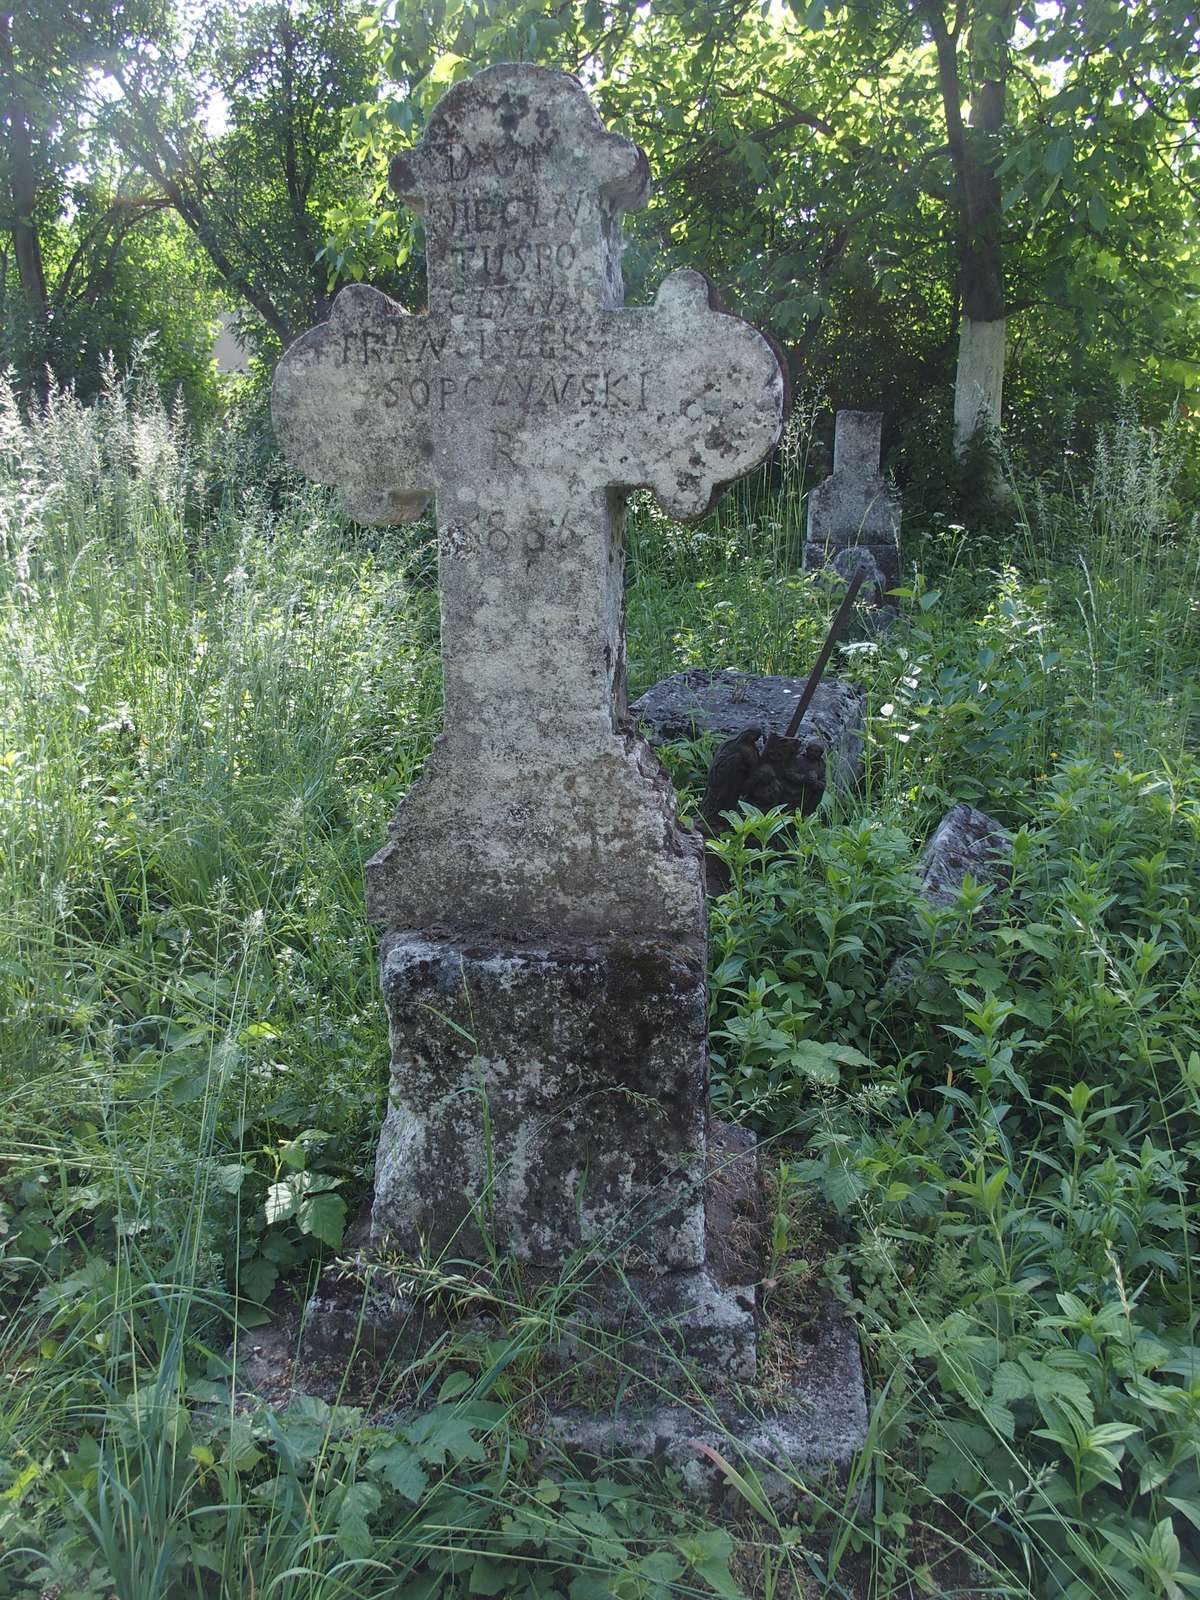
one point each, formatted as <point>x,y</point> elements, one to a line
<point>979,381</point>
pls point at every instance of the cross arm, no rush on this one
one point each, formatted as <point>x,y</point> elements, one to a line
<point>720,394</point>
<point>348,410</point>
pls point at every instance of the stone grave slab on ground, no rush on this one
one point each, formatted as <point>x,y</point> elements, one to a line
<point>854,515</point>
<point>544,960</point>
<point>695,702</point>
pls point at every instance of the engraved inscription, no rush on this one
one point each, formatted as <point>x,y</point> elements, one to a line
<point>412,339</point>
<point>493,533</point>
<point>498,256</point>
<point>457,162</point>
<point>526,213</point>
<point>504,302</point>
<point>525,391</point>
<point>524,362</point>
<point>493,265</point>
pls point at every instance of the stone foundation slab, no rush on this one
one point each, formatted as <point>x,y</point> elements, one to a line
<point>805,1432</point>
<point>698,701</point>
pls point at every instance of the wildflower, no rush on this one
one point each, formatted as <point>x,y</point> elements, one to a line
<point>1118,755</point>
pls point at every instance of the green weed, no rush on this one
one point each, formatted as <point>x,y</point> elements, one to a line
<point>214,692</point>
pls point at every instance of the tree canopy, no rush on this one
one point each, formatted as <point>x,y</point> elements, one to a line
<point>868,179</point>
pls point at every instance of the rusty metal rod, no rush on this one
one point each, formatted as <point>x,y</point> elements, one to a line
<point>822,661</point>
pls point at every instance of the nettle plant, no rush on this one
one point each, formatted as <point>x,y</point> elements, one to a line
<point>1009,1126</point>
<point>798,942</point>
<point>301,1204</point>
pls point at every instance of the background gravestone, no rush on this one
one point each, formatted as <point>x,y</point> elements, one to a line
<point>544,963</point>
<point>854,515</point>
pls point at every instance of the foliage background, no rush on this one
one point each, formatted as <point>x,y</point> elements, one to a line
<point>237,153</point>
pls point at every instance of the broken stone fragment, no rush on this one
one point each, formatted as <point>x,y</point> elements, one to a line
<point>965,842</point>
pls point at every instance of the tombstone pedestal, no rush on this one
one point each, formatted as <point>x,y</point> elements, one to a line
<point>568,833</point>
<point>611,1323</point>
<point>545,1100</point>
<point>548,1106</point>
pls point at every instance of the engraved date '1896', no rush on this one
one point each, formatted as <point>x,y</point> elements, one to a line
<point>489,532</point>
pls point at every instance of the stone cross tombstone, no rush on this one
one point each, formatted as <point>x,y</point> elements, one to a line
<point>544,955</point>
<point>854,516</point>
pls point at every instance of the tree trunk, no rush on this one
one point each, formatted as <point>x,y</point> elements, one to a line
<point>979,380</point>
<point>22,180</point>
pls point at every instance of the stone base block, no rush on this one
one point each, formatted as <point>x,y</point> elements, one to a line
<point>799,1428</point>
<point>671,1369</point>
<point>544,1100</point>
<point>611,1326</point>
<point>804,1431</point>
<point>607,1318</point>
<point>649,1322</point>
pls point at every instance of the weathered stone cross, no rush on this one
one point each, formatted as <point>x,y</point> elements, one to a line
<point>544,959</point>
<point>525,401</point>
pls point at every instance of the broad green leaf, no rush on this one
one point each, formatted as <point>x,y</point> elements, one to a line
<point>360,1501</point>
<point>490,1577</point>
<point>305,1425</point>
<point>708,1554</point>
<point>1189,1506</point>
<point>257,1277</point>
<point>399,1467</point>
<point>284,1197</point>
<point>1058,154</point>
<point>446,68</point>
<point>660,1566</point>
<point>324,1217</point>
<point>1010,1383</point>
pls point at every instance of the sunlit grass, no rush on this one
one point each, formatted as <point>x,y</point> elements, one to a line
<point>215,691</point>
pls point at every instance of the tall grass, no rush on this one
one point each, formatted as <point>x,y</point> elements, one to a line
<point>213,693</point>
